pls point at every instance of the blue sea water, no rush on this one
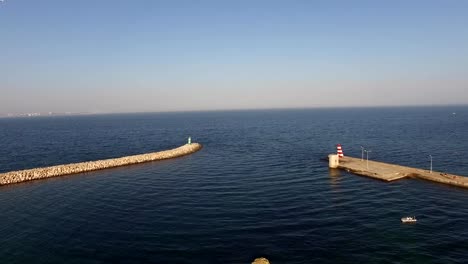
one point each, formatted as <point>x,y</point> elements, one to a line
<point>257,188</point>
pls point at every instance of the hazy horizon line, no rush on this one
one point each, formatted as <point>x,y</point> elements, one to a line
<point>83,113</point>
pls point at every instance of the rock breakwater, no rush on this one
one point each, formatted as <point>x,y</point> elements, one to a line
<point>74,168</point>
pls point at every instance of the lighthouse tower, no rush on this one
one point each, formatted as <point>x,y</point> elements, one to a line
<point>339,151</point>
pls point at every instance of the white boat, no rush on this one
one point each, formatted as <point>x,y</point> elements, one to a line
<point>409,219</point>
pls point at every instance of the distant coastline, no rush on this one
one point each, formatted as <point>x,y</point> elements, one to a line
<point>50,114</point>
<point>42,114</point>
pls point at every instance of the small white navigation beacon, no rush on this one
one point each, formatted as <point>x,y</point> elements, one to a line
<point>189,140</point>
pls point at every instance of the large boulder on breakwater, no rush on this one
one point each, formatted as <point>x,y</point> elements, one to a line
<point>261,261</point>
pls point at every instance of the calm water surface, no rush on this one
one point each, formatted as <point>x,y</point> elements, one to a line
<point>257,188</point>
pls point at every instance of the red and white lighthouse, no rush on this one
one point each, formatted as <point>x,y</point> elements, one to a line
<point>339,151</point>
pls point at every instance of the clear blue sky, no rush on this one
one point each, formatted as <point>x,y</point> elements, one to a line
<point>130,56</point>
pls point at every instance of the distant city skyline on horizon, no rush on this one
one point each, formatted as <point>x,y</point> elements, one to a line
<point>164,56</point>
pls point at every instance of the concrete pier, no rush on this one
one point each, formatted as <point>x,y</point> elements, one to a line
<point>74,168</point>
<point>391,172</point>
